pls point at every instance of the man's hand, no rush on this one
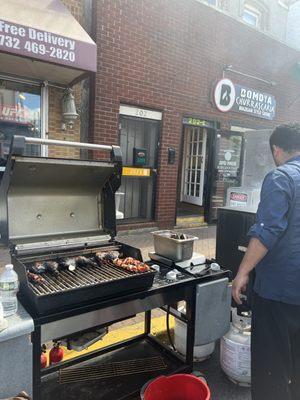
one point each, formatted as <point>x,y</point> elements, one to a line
<point>239,285</point>
<point>254,254</point>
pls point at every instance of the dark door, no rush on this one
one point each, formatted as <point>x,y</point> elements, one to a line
<point>138,136</point>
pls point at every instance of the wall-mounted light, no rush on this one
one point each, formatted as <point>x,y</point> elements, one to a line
<point>69,113</point>
<point>229,68</point>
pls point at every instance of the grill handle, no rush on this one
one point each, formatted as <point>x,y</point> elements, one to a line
<point>18,146</point>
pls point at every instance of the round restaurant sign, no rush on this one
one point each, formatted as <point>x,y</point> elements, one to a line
<point>224,95</point>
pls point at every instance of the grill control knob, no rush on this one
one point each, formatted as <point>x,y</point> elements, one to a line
<point>171,275</point>
<point>156,267</point>
<point>215,267</point>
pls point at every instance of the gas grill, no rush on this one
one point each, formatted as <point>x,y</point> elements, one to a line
<point>57,208</point>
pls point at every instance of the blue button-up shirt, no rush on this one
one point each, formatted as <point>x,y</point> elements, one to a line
<point>278,228</point>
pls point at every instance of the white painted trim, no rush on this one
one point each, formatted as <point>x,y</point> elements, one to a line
<point>44,117</point>
<point>140,112</point>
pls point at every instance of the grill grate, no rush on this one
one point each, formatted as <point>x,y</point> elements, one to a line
<point>82,277</point>
<point>122,368</point>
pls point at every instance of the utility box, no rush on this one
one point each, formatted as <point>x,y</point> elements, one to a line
<point>232,240</point>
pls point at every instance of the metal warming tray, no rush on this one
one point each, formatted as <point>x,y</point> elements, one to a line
<point>52,208</point>
<point>174,249</point>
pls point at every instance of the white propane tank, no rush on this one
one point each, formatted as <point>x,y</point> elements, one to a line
<point>235,349</point>
<point>201,353</point>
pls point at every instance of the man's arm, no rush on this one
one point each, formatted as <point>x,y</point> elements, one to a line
<point>254,254</point>
<point>271,223</point>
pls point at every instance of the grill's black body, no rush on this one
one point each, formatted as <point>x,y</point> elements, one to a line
<point>122,282</point>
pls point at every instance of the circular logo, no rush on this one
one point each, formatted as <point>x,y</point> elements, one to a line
<point>224,95</point>
<point>227,156</point>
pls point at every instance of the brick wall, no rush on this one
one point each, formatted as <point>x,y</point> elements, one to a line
<point>55,95</point>
<point>165,54</point>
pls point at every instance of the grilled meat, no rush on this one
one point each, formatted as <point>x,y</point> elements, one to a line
<point>52,267</point>
<point>131,264</point>
<point>107,255</point>
<point>82,261</point>
<point>38,268</point>
<point>35,278</point>
<point>67,263</point>
<point>47,266</point>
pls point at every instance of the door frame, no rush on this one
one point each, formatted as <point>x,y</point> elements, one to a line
<point>183,197</point>
<point>212,126</point>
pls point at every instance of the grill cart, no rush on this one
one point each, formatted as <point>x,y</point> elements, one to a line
<point>57,210</point>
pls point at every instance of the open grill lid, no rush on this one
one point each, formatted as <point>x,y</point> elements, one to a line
<point>49,204</point>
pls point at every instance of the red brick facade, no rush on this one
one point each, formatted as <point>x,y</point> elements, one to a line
<point>165,55</point>
<point>55,96</point>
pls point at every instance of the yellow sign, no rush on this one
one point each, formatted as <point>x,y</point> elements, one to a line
<point>129,171</point>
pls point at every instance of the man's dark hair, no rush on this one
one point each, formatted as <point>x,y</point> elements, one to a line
<point>287,137</point>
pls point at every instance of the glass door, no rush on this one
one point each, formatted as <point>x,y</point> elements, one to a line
<point>226,169</point>
<point>193,165</point>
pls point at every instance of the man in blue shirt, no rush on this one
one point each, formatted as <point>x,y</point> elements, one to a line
<point>274,252</point>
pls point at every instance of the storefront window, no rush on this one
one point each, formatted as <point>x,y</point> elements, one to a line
<point>226,169</point>
<point>20,114</point>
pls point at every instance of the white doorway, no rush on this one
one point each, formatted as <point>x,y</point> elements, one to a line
<point>193,165</point>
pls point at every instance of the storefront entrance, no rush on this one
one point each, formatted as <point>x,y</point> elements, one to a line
<point>193,165</point>
<point>139,144</point>
<point>227,168</point>
<point>196,145</point>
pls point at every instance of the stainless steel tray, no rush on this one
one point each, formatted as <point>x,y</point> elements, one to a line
<point>174,249</point>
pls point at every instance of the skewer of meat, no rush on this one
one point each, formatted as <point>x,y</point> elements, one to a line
<point>82,261</point>
<point>67,263</point>
<point>35,278</point>
<point>132,265</point>
<point>52,267</point>
<point>38,268</point>
<point>107,255</point>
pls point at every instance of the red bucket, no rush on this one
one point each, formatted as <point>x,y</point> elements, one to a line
<point>176,387</point>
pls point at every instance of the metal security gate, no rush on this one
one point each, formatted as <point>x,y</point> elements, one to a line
<point>138,201</point>
<point>193,165</point>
